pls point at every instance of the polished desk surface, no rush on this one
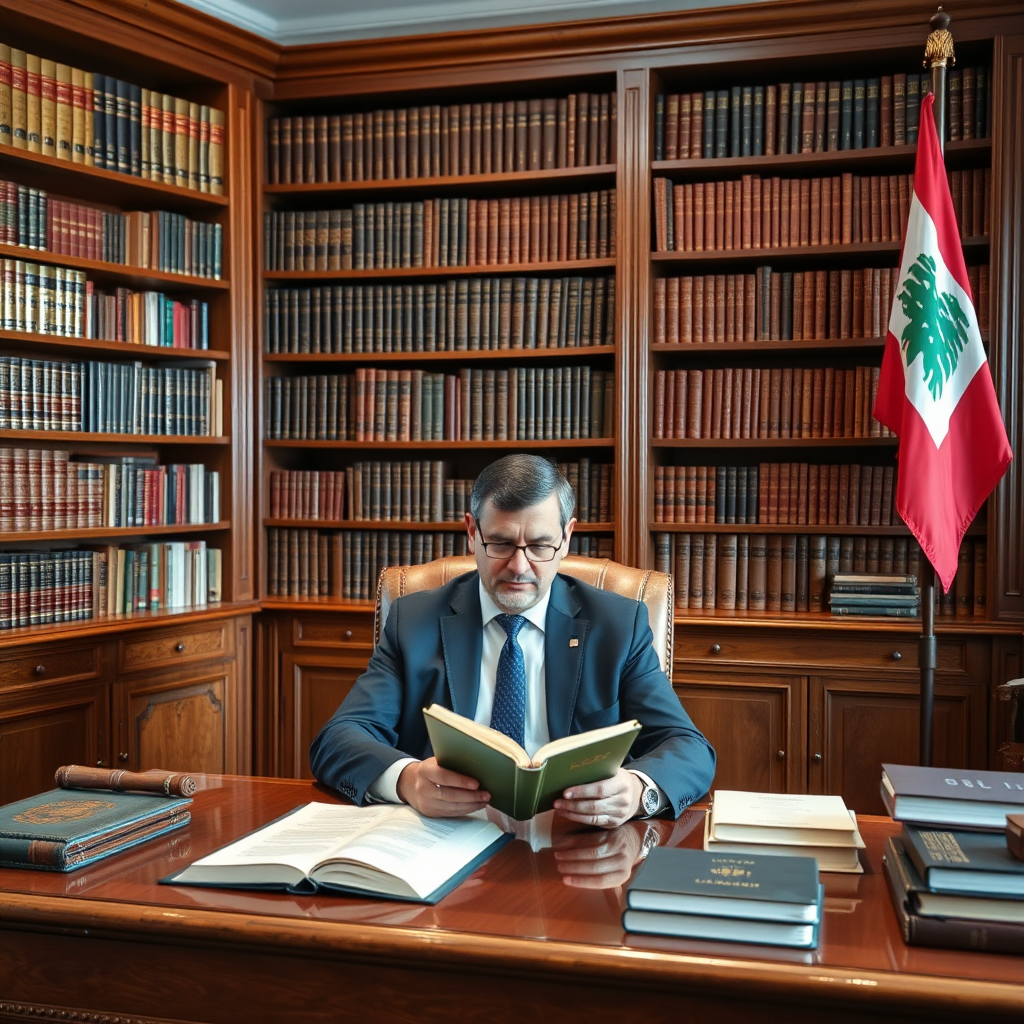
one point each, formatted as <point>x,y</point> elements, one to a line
<point>544,914</point>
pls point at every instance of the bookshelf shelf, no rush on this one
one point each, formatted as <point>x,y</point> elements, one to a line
<point>120,533</point>
<point>774,442</point>
<point>426,446</point>
<point>753,348</point>
<point>81,437</point>
<point>54,344</point>
<point>489,270</point>
<point>850,254</point>
<point>397,524</point>
<point>599,174</point>
<point>98,184</point>
<point>959,153</point>
<point>118,274</point>
<point>855,530</point>
<point>461,356</point>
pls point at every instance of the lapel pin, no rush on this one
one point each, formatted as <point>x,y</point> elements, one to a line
<point>573,642</point>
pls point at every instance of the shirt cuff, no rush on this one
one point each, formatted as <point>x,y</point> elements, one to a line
<point>384,788</point>
<point>648,781</point>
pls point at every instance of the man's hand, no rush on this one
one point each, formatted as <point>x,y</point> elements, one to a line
<point>439,793</point>
<point>605,804</point>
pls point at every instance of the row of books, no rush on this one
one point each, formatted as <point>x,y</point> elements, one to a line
<point>38,588</point>
<point>101,121</point>
<point>955,872</point>
<point>443,233</point>
<point>756,402</point>
<point>787,572</point>
<point>770,305</point>
<point>156,239</point>
<point>814,117</point>
<point>521,403</point>
<point>42,489</point>
<point>480,314</point>
<point>433,141</point>
<point>40,299</point>
<point>412,490</point>
<point>752,212</point>
<point>786,493</point>
<point>110,398</point>
<point>345,564</point>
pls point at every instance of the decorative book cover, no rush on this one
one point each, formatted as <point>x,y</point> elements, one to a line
<point>62,830</point>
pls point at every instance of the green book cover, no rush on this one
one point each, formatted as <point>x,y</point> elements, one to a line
<point>64,829</point>
<point>518,786</point>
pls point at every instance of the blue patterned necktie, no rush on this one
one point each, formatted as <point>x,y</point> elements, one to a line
<point>509,712</point>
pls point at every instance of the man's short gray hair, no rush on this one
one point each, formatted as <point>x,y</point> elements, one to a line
<point>519,481</point>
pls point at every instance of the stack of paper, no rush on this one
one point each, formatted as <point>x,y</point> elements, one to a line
<point>786,824</point>
<point>691,894</point>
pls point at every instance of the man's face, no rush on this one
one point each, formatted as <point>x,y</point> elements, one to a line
<point>517,583</point>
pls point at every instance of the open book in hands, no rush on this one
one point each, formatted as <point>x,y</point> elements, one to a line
<point>383,850</point>
<point>519,785</point>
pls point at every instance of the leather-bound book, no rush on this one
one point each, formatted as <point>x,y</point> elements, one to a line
<point>758,572</point>
<point>696,588</point>
<point>774,583</point>
<point>803,412</point>
<point>954,108</point>
<point>963,583</point>
<point>734,423</point>
<point>979,586</point>
<point>831,516</point>
<point>679,404</point>
<point>914,96</point>
<point>859,111</point>
<point>899,110</point>
<point>874,496</point>
<point>886,113</point>
<point>816,573</point>
<point>786,495</point>
<point>820,116</point>
<point>843,504</point>
<point>727,571</point>
<point>801,573</point>
<point>872,113</point>
<point>700,494</point>
<point>710,570</point>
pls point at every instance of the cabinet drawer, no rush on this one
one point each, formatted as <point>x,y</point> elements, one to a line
<point>51,665</point>
<point>332,631</point>
<point>789,649</point>
<point>174,647</point>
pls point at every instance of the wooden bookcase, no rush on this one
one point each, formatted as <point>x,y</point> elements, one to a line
<point>150,688</point>
<point>794,701</point>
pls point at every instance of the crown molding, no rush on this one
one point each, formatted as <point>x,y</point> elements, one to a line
<point>341,65</point>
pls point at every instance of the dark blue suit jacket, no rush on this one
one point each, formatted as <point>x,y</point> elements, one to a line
<point>430,652</point>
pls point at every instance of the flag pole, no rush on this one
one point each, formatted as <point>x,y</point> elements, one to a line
<point>937,51</point>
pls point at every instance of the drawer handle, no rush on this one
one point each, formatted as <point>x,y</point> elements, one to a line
<point>716,648</point>
<point>123,758</point>
<point>101,763</point>
<point>179,647</point>
<point>348,634</point>
<point>40,670</point>
<point>818,758</point>
<point>896,656</point>
<point>780,755</point>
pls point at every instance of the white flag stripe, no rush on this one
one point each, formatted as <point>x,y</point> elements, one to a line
<point>935,412</point>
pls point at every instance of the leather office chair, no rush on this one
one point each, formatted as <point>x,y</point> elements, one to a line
<point>647,585</point>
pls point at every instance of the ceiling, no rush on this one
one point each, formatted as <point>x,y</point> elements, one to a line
<point>294,22</point>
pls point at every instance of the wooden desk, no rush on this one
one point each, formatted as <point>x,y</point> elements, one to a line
<point>513,943</point>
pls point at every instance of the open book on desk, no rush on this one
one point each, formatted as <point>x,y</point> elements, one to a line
<point>384,850</point>
<point>519,785</point>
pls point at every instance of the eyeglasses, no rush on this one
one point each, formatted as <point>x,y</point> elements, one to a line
<point>506,549</point>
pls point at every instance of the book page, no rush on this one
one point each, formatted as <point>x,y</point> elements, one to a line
<point>422,853</point>
<point>484,733</point>
<point>582,739</point>
<point>294,844</point>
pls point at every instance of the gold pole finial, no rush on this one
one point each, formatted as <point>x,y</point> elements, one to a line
<point>938,48</point>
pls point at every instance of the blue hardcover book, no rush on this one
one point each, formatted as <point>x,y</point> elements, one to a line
<point>385,850</point>
<point>726,897</point>
<point>65,829</point>
<point>965,862</point>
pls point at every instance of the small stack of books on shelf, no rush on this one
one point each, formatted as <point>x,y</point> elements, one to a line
<point>775,901</point>
<point>952,873</point>
<point>786,825</point>
<point>891,595</point>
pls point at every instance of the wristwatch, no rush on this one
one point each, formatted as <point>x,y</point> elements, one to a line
<point>650,799</point>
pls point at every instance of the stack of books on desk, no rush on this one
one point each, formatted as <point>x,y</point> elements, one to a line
<point>952,876</point>
<point>775,901</point>
<point>785,824</point>
<point>874,594</point>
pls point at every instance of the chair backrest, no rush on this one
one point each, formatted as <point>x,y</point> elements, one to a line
<point>647,585</point>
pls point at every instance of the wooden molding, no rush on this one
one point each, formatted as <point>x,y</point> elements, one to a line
<point>322,68</point>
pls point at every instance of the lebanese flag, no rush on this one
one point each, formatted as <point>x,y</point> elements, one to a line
<point>935,391</point>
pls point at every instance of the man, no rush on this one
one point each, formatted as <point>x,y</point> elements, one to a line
<point>523,649</point>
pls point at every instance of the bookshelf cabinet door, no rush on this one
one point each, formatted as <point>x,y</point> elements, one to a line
<point>856,724</point>
<point>312,687</point>
<point>49,727</point>
<point>755,723</point>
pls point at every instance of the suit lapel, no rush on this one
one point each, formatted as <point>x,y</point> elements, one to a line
<point>462,640</point>
<point>563,659</point>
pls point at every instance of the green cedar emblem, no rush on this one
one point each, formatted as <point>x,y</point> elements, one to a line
<point>936,324</point>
